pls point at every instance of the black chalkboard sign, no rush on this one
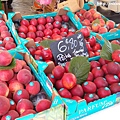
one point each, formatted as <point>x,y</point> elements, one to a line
<point>63,50</point>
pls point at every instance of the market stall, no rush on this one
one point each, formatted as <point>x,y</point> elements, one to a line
<point>62,63</point>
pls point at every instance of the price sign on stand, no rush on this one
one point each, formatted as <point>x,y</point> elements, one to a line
<point>63,50</point>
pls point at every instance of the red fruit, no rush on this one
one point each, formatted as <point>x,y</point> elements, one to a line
<point>82,11</point>
<point>63,29</point>
<point>2,22</point>
<point>56,30</point>
<point>92,10</point>
<point>33,22</point>
<point>90,77</point>
<point>88,46</point>
<point>77,98</point>
<point>44,104</point>
<point>31,35</point>
<point>100,82</point>
<point>110,24</point>
<point>75,89</point>
<point>69,80</point>
<point>96,47</point>
<point>8,39</point>
<point>12,104</point>
<point>58,72</point>
<point>65,93</point>
<point>49,26</point>
<point>58,18</point>
<point>32,50</point>
<point>91,97</point>
<point>91,54</point>
<point>48,32</point>
<point>33,87</point>
<point>23,29</point>
<point>39,34</point>
<point>4,105</point>
<point>58,84</point>
<point>104,68</point>
<point>40,47</point>
<point>5,34</point>
<point>52,78</point>
<point>23,105</point>
<point>92,41</point>
<point>112,79</point>
<point>102,22</point>
<point>3,28</point>
<point>15,85</point>
<point>115,87</point>
<point>86,22</point>
<point>40,27</point>
<point>116,56</point>
<point>24,76</point>
<point>29,111</point>
<point>94,64</point>
<point>38,39</point>
<point>49,19</point>
<point>102,61</point>
<point>4,90</point>
<point>24,22</point>
<point>63,34</point>
<point>70,34</point>
<point>5,58</point>
<point>32,28</point>
<point>102,30</point>
<point>57,24</point>
<point>11,115</point>
<point>65,18</point>
<point>95,27</point>
<point>103,92</point>
<point>115,42</point>
<point>85,31</point>
<point>67,64</point>
<point>87,15</point>
<point>42,21</point>
<point>6,75</point>
<point>57,37</point>
<point>22,35</point>
<point>20,94</point>
<point>10,45</point>
<point>89,87</point>
<point>96,15</point>
<point>46,54</point>
<point>113,68</point>
<point>97,72</point>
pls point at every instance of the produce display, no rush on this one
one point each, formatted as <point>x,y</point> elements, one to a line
<point>88,78</point>
<point>20,92</point>
<point>6,40</point>
<point>102,80</point>
<point>46,28</point>
<point>94,21</point>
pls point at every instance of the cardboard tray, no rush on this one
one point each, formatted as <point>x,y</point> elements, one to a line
<point>113,34</point>
<point>73,21</point>
<point>20,53</point>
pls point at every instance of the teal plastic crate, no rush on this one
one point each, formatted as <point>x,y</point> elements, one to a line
<point>107,35</point>
<point>53,110</point>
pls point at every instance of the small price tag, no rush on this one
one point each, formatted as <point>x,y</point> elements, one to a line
<point>63,50</point>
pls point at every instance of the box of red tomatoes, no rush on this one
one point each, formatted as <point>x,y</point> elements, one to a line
<point>97,23</point>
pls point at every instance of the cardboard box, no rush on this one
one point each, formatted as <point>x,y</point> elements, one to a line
<point>74,5</point>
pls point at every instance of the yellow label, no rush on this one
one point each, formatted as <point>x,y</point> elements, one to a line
<point>33,62</point>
